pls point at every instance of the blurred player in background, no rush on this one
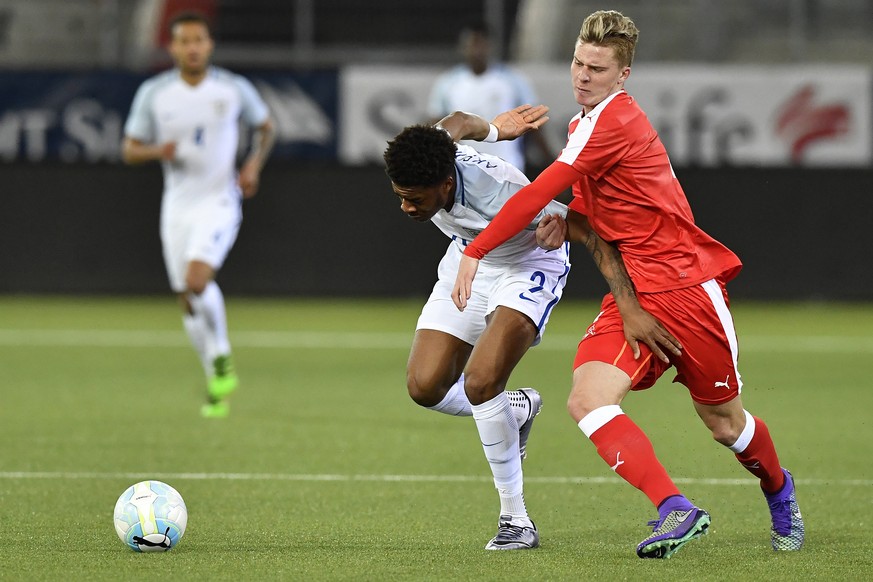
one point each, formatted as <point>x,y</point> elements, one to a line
<point>623,183</point>
<point>486,88</point>
<point>460,362</point>
<point>187,118</point>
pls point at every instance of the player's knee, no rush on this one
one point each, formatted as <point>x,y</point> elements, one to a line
<point>578,406</point>
<point>723,430</point>
<point>725,435</point>
<point>481,387</point>
<point>576,409</point>
<point>196,284</point>
<point>424,392</point>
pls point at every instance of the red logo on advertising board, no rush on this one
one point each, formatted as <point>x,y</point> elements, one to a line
<point>801,122</point>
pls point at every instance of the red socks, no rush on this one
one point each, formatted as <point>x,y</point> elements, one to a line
<point>759,456</point>
<point>628,451</point>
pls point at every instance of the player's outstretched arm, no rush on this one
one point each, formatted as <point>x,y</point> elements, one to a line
<point>462,125</point>
<point>518,121</point>
<point>509,124</point>
<point>639,324</point>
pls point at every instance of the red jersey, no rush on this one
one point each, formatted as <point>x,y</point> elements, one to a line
<point>623,182</point>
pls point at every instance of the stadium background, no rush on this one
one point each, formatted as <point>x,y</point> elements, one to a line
<point>765,109</point>
<point>326,470</point>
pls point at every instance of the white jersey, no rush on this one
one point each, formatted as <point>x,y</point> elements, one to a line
<point>203,121</point>
<point>497,90</point>
<point>484,184</point>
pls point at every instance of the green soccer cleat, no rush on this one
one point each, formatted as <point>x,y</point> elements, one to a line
<point>218,409</point>
<point>224,380</point>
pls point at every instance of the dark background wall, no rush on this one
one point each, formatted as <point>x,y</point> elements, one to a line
<point>330,230</point>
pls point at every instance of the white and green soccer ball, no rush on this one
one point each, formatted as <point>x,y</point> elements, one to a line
<point>150,516</point>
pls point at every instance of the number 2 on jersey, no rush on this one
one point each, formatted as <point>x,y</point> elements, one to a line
<point>539,278</point>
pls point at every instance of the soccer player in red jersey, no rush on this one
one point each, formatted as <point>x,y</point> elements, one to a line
<point>624,186</point>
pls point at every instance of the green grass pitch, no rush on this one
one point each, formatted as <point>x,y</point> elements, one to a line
<point>325,469</point>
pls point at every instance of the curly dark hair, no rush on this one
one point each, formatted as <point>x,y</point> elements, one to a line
<point>420,156</point>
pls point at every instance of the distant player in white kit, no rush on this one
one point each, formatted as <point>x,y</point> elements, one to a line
<point>486,87</point>
<point>187,118</point>
<point>460,362</point>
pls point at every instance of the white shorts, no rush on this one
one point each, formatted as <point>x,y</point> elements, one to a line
<point>204,232</point>
<point>531,287</point>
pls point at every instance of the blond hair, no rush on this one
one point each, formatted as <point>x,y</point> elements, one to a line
<point>612,29</point>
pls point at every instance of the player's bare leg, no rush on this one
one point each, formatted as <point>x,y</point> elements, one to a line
<point>505,340</point>
<point>435,379</point>
<point>595,404</point>
<point>434,372</point>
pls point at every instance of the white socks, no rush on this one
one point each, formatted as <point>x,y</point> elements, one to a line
<point>498,430</point>
<point>456,403</point>
<point>497,421</point>
<point>520,405</point>
<point>599,417</point>
<point>207,326</point>
<point>746,436</point>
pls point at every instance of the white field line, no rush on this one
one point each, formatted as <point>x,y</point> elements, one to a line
<point>105,338</point>
<point>61,475</point>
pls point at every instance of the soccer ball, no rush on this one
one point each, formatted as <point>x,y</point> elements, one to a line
<point>150,516</point>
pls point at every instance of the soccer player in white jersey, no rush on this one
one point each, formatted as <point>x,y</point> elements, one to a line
<point>188,119</point>
<point>485,87</point>
<point>460,362</point>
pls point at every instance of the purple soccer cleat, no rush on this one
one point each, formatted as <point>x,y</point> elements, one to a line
<point>787,532</point>
<point>678,527</point>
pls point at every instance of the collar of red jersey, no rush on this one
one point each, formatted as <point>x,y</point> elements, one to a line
<point>600,106</point>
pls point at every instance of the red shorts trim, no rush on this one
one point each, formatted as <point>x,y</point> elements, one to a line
<point>698,317</point>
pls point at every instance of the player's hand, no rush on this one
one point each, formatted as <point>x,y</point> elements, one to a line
<point>249,179</point>
<point>517,122</point>
<point>640,325</point>
<point>551,232</point>
<point>464,281</point>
